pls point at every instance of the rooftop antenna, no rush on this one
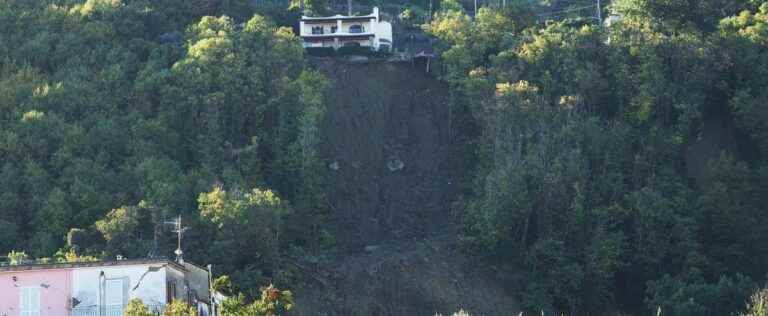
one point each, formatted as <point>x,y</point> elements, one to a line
<point>179,230</point>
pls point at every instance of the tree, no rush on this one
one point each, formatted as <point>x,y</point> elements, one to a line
<point>136,307</point>
<point>272,302</point>
<point>120,229</point>
<point>249,223</point>
<point>179,308</point>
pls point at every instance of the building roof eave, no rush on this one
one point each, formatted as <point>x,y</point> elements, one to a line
<point>338,17</point>
<point>92,264</point>
<point>340,35</point>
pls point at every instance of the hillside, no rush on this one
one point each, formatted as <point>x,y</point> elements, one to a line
<point>392,181</point>
<point>549,165</point>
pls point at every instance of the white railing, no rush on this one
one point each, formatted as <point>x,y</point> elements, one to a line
<point>111,310</point>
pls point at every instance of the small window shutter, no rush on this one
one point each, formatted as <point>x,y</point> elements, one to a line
<point>114,292</point>
<point>35,301</point>
<point>170,292</point>
<point>126,285</point>
<point>30,301</point>
<point>24,301</point>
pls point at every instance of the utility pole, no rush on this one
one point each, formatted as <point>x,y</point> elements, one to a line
<point>599,14</point>
<point>349,7</point>
<point>475,8</point>
<point>211,291</point>
<point>429,18</point>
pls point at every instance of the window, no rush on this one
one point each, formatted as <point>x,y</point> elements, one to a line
<point>317,30</point>
<point>334,29</point>
<point>170,292</point>
<point>30,301</point>
<point>114,297</point>
<point>356,28</point>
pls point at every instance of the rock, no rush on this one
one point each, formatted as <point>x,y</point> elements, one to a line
<point>334,166</point>
<point>371,248</point>
<point>355,59</point>
<point>395,164</point>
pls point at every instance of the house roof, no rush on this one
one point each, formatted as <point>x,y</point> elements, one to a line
<point>77,265</point>
<point>339,35</point>
<point>338,17</point>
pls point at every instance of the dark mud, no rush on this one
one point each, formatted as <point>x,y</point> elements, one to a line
<point>391,186</point>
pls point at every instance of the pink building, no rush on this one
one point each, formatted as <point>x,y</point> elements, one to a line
<point>35,292</point>
<point>101,288</point>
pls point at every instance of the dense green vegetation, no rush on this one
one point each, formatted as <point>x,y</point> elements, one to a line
<point>116,116</point>
<point>615,168</point>
<point>585,190</point>
<point>272,302</point>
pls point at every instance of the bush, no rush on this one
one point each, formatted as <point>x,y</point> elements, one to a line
<point>758,304</point>
<point>321,51</point>
<point>179,308</point>
<point>137,308</point>
<point>696,297</point>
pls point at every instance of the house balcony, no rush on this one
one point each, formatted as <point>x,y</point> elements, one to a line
<point>363,35</point>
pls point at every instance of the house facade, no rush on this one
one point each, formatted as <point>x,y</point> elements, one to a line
<point>347,30</point>
<point>101,288</point>
<point>35,293</point>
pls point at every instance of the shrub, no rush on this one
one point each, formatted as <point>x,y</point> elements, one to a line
<point>321,51</point>
<point>758,304</point>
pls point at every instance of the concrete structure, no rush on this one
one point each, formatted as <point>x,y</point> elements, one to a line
<point>347,30</point>
<point>612,20</point>
<point>100,288</point>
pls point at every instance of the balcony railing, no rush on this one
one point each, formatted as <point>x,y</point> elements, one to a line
<point>111,310</point>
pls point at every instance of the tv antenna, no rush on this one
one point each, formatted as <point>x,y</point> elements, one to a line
<point>179,230</point>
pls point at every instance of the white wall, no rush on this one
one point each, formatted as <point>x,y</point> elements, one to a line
<point>383,30</point>
<point>151,290</point>
<point>177,277</point>
<point>197,278</point>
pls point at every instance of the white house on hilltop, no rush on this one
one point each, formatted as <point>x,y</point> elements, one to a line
<point>345,30</point>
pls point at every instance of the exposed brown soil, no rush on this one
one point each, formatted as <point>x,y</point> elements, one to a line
<point>392,182</point>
